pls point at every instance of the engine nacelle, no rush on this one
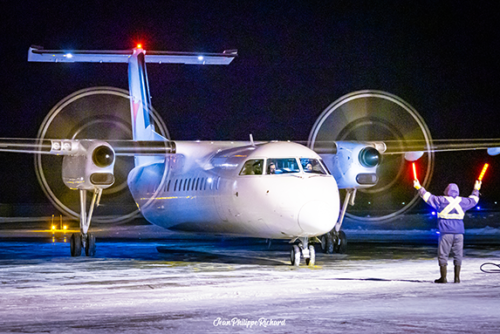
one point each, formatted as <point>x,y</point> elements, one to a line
<point>354,164</point>
<point>89,166</point>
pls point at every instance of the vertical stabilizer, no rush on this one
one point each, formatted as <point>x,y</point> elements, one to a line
<point>140,99</point>
<point>140,103</point>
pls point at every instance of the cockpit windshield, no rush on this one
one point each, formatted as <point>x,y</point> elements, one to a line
<point>253,167</point>
<point>282,166</point>
<point>312,166</point>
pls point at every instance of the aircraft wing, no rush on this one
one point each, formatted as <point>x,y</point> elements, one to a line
<point>414,149</point>
<point>74,147</point>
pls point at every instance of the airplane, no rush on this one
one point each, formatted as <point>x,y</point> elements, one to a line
<point>262,189</point>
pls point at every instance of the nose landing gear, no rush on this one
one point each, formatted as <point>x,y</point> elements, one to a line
<point>305,250</point>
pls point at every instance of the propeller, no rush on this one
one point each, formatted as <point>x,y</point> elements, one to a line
<point>94,113</point>
<point>376,116</point>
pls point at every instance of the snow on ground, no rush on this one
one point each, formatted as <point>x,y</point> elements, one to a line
<point>205,285</point>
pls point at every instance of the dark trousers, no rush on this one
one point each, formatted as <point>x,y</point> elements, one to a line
<point>450,244</point>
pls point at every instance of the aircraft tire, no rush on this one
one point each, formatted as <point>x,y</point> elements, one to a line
<point>90,249</point>
<point>75,243</point>
<point>330,243</point>
<point>312,256</point>
<point>295,255</point>
<point>324,243</point>
<point>341,243</point>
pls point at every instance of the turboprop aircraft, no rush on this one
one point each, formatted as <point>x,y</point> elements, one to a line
<point>271,190</point>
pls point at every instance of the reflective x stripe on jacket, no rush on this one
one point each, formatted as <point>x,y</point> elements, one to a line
<point>454,204</point>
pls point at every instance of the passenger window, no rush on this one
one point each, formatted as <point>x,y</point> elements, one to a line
<point>252,167</point>
<point>168,185</point>
<point>175,185</point>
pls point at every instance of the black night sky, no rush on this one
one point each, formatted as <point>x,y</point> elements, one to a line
<point>295,58</point>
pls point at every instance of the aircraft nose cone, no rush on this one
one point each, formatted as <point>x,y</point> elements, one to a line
<point>316,218</point>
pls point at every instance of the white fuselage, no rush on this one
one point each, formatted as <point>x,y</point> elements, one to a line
<point>205,188</point>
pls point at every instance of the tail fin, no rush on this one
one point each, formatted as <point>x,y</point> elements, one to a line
<point>140,99</point>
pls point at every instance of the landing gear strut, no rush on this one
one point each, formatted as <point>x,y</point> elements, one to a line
<point>303,249</point>
<point>83,239</point>
<point>335,241</point>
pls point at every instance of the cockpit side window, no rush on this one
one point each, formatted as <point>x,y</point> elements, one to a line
<point>312,166</point>
<point>253,167</point>
<point>282,166</point>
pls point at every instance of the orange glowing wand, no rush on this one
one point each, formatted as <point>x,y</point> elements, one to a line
<point>414,172</point>
<point>483,172</point>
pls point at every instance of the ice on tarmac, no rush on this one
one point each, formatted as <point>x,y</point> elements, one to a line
<point>205,285</point>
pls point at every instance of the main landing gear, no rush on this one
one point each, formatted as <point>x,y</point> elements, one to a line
<point>303,249</point>
<point>83,239</point>
<point>335,241</point>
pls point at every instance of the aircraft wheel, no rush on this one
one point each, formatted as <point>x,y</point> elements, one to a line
<point>295,255</point>
<point>312,256</point>
<point>75,244</point>
<point>324,243</point>
<point>90,249</point>
<point>341,243</point>
<point>330,243</point>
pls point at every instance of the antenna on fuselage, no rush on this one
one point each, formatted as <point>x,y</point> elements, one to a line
<point>251,140</point>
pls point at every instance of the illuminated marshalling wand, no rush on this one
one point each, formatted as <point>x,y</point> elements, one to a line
<point>480,178</point>
<point>414,172</point>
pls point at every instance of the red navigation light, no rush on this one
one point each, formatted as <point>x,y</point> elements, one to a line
<point>483,172</point>
<point>414,172</point>
<point>139,46</point>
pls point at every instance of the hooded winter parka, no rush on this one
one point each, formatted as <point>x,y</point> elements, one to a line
<point>451,208</point>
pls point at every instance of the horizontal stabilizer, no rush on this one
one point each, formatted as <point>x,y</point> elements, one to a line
<point>38,54</point>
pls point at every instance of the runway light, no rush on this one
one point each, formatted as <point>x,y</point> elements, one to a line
<point>53,227</point>
<point>479,208</point>
<point>433,213</point>
<point>200,58</point>
<point>69,55</point>
<point>65,227</point>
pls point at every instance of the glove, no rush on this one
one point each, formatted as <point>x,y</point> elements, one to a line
<point>416,184</point>
<point>477,185</point>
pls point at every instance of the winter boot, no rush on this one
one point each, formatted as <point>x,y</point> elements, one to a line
<point>457,274</point>
<point>442,279</point>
